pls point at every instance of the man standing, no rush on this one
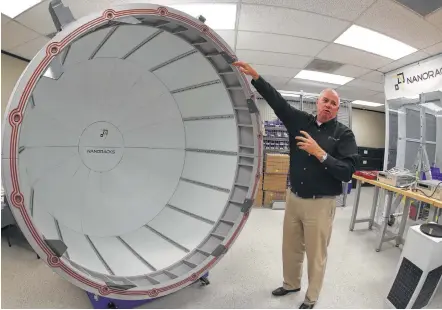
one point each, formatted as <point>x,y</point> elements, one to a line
<point>323,154</point>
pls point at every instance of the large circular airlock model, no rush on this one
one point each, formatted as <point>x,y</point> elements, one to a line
<point>131,150</point>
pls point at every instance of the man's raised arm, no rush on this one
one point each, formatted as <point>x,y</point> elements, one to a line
<point>290,116</point>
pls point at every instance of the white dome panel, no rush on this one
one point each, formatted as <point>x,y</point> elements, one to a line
<point>123,40</point>
<point>206,169</point>
<point>210,100</point>
<point>188,234</point>
<point>162,48</point>
<point>125,263</point>
<point>81,251</point>
<point>82,50</point>
<point>200,201</point>
<point>144,240</point>
<point>176,75</point>
<point>131,150</point>
<point>216,134</point>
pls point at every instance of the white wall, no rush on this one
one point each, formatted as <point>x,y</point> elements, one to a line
<point>369,128</point>
<point>12,68</point>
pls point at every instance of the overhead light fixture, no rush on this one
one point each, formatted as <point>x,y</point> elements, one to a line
<point>15,8</point>
<point>323,77</point>
<point>218,16</point>
<point>432,106</point>
<point>367,103</point>
<point>289,93</point>
<point>374,42</point>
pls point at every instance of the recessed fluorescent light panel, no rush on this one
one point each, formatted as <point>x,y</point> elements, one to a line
<point>218,16</point>
<point>374,42</point>
<point>323,77</point>
<point>367,103</point>
<point>15,8</point>
<point>289,93</point>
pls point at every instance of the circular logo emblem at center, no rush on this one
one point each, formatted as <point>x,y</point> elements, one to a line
<point>101,146</point>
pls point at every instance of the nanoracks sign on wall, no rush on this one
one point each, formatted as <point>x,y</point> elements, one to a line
<point>413,80</point>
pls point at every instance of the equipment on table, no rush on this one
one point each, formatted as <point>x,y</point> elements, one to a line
<point>131,151</point>
<point>430,188</point>
<point>419,272</point>
<point>396,177</point>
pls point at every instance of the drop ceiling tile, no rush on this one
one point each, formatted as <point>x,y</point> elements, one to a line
<point>15,34</point>
<point>80,8</point>
<point>275,71</point>
<point>228,36</point>
<point>5,19</point>
<point>373,76</point>
<point>355,93</point>
<point>435,49</point>
<point>351,71</point>
<point>379,98</point>
<point>407,60</point>
<point>278,43</point>
<point>29,49</point>
<point>366,85</point>
<point>435,18</point>
<point>273,59</point>
<point>290,22</point>
<point>352,56</point>
<point>394,20</point>
<point>343,9</point>
<point>307,86</point>
<point>276,81</point>
<point>38,18</point>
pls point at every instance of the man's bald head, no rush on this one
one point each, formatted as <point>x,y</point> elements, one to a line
<point>327,105</point>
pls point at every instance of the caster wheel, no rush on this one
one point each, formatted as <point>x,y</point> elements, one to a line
<point>378,250</point>
<point>397,245</point>
<point>38,256</point>
<point>351,229</point>
<point>204,281</point>
<point>111,305</point>
<point>391,221</point>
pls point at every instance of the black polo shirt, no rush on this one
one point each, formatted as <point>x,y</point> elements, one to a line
<point>308,176</point>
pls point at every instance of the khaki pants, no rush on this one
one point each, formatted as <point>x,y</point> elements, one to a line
<point>307,228</point>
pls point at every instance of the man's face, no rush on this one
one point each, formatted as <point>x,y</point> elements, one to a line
<point>327,106</point>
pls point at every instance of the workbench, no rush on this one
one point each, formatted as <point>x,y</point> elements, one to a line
<point>385,235</point>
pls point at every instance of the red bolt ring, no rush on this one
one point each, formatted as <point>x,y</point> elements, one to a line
<point>17,199</point>
<point>53,49</point>
<point>109,14</point>
<point>205,29</point>
<point>53,261</point>
<point>103,290</point>
<point>16,117</point>
<point>152,293</point>
<point>162,11</point>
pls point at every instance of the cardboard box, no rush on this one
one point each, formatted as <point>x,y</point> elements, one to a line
<point>270,197</point>
<point>277,163</point>
<point>275,182</point>
<point>259,198</point>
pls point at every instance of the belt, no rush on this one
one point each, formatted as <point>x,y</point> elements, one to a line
<point>314,196</point>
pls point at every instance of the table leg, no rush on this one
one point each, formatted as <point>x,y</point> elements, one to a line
<point>355,205</point>
<point>373,207</point>
<point>383,229</point>
<point>404,220</point>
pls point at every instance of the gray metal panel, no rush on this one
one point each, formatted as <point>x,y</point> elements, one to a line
<point>422,7</point>
<point>431,127</point>
<point>411,149</point>
<point>413,124</point>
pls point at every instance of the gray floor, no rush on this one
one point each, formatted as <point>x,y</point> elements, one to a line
<point>356,277</point>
